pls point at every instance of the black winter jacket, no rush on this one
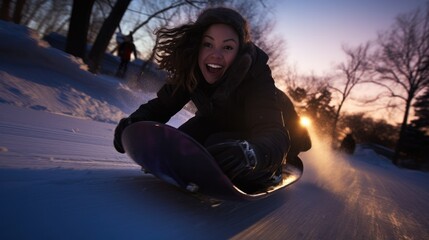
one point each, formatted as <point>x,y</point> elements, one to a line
<point>244,101</point>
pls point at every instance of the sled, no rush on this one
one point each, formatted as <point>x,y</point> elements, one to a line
<point>178,159</point>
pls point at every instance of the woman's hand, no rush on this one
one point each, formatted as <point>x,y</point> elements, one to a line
<point>234,157</point>
<point>117,141</point>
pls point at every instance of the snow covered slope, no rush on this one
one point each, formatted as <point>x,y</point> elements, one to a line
<point>60,177</point>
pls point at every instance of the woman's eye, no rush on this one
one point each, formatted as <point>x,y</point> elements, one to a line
<point>207,44</point>
<point>228,48</point>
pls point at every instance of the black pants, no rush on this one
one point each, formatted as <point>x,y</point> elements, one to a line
<point>122,69</point>
<point>208,133</point>
<point>199,128</point>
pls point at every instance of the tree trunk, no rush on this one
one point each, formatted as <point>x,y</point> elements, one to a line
<point>334,126</point>
<point>5,10</point>
<point>398,148</point>
<point>17,12</point>
<point>106,32</point>
<point>32,10</point>
<point>78,28</point>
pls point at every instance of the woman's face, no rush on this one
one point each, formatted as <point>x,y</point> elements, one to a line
<point>218,49</point>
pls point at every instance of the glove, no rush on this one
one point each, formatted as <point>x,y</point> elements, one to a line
<point>235,158</point>
<point>117,141</point>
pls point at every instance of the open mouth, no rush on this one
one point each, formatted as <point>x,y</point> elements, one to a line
<point>214,68</point>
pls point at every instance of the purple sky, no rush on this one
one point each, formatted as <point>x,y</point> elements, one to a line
<point>315,29</point>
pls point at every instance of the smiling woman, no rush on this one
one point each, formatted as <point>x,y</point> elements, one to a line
<point>218,50</point>
<point>242,118</point>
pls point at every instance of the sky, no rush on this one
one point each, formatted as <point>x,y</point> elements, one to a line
<point>316,29</point>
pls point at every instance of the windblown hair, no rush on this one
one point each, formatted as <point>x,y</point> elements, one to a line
<point>177,48</point>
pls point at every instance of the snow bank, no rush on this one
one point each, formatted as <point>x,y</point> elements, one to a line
<point>35,75</point>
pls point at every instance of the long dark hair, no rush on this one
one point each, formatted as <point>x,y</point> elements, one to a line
<point>177,48</point>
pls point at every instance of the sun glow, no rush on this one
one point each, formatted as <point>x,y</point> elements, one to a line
<point>305,121</point>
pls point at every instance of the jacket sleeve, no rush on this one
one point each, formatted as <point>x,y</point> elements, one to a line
<point>264,119</point>
<point>168,102</point>
<point>299,136</point>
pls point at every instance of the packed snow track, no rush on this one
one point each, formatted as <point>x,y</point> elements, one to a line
<point>60,178</point>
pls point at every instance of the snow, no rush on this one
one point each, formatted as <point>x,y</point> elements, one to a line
<point>60,177</point>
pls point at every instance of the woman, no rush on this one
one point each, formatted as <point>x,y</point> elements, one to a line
<point>240,116</point>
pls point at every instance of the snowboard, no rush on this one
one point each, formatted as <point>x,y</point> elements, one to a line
<point>178,159</point>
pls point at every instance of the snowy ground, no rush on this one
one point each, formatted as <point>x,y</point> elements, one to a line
<point>60,177</point>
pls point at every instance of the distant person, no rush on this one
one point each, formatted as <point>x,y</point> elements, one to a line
<point>125,49</point>
<point>348,144</point>
<point>119,39</point>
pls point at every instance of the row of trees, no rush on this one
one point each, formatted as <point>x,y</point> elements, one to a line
<point>397,61</point>
<point>95,22</point>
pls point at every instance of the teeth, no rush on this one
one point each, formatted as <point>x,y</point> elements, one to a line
<point>214,65</point>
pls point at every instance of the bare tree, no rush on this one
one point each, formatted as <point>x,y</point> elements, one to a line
<point>31,8</point>
<point>174,5</point>
<point>5,10</point>
<point>44,16</point>
<point>53,15</point>
<point>106,32</point>
<point>312,98</point>
<point>401,62</point>
<point>320,110</point>
<point>78,28</point>
<point>100,12</point>
<point>164,12</point>
<point>368,130</point>
<point>421,107</point>
<point>262,24</point>
<point>112,23</point>
<point>351,73</point>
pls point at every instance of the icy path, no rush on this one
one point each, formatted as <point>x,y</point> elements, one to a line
<point>61,179</point>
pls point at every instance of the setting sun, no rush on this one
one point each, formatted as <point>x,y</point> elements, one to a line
<point>305,121</point>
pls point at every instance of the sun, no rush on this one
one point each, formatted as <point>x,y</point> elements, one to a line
<point>305,121</point>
